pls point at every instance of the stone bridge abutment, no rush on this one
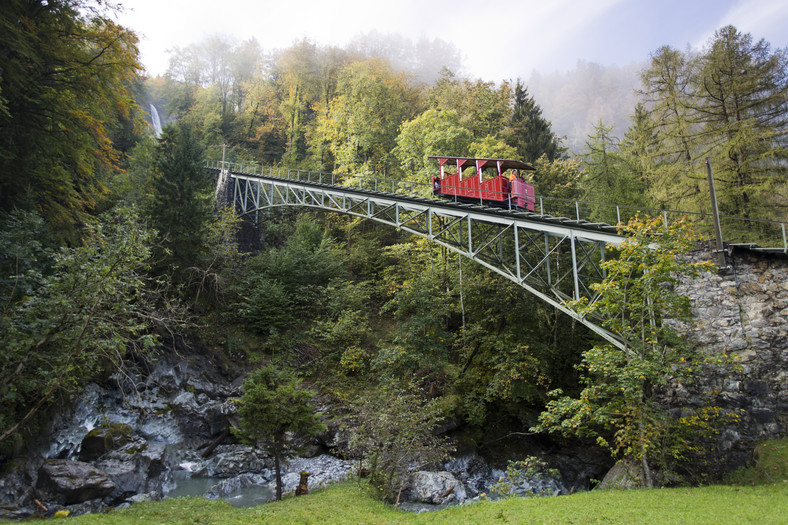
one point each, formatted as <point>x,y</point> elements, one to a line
<point>742,314</point>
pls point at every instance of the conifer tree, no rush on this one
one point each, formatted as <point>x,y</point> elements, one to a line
<point>272,409</point>
<point>742,111</point>
<point>604,179</point>
<point>529,132</point>
<point>641,162</point>
<point>180,206</point>
<point>729,104</point>
<point>665,94</point>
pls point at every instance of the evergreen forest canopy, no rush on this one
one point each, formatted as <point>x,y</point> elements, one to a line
<point>114,230</point>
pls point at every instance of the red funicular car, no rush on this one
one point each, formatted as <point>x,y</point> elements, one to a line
<point>488,183</point>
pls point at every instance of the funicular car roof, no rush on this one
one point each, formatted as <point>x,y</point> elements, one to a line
<point>467,162</point>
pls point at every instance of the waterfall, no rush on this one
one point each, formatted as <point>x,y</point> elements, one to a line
<point>155,121</point>
<point>222,184</point>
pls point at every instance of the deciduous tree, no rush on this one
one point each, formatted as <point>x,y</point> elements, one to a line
<point>67,72</point>
<point>93,308</point>
<point>371,104</point>
<point>618,403</point>
<point>394,432</point>
<point>483,108</point>
<point>434,132</point>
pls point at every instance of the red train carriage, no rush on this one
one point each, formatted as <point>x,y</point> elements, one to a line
<point>488,184</point>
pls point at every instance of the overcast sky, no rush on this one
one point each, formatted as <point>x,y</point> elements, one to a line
<point>498,39</point>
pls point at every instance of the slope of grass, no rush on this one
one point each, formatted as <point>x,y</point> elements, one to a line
<point>770,465</point>
<point>349,503</point>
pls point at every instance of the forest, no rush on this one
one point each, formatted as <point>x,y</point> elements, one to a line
<point>112,247</point>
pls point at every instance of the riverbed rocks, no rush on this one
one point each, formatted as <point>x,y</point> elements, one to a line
<point>169,425</point>
<point>231,460</point>
<point>438,488</point>
<point>68,482</point>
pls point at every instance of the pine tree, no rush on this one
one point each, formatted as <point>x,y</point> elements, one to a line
<point>529,132</point>
<point>272,409</point>
<point>181,206</point>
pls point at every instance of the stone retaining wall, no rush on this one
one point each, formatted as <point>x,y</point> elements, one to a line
<point>742,313</point>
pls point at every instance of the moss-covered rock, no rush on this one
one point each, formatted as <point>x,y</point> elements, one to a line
<point>623,475</point>
<point>102,439</point>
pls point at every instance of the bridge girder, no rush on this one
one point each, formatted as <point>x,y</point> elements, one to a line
<point>554,259</point>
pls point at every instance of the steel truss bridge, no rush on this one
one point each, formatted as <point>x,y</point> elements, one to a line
<point>554,257</point>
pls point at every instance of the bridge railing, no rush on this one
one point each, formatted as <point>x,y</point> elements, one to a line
<point>735,229</point>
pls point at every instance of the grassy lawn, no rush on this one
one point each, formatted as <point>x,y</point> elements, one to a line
<point>348,503</point>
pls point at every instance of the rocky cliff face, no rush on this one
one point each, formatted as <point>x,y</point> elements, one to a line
<point>121,442</point>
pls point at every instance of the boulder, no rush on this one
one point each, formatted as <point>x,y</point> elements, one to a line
<point>72,482</point>
<point>148,496</point>
<point>16,492</point>
<point>190,417</point>
<point>134,468</point>
<point>289,482</point>
<point>232,460</point>
<point>437,488</point>
<point>236,484</point>
<point>101,440</point>
<point>623,475</point>
<point>322,469</point>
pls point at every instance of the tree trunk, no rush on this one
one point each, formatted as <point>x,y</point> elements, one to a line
<point>647,473</point>
<point>644,459</point>
<point>215,443</point>
<point>278,470</point>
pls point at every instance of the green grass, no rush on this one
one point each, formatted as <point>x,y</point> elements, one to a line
<point>770,465</point>
<point>349,503</point>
